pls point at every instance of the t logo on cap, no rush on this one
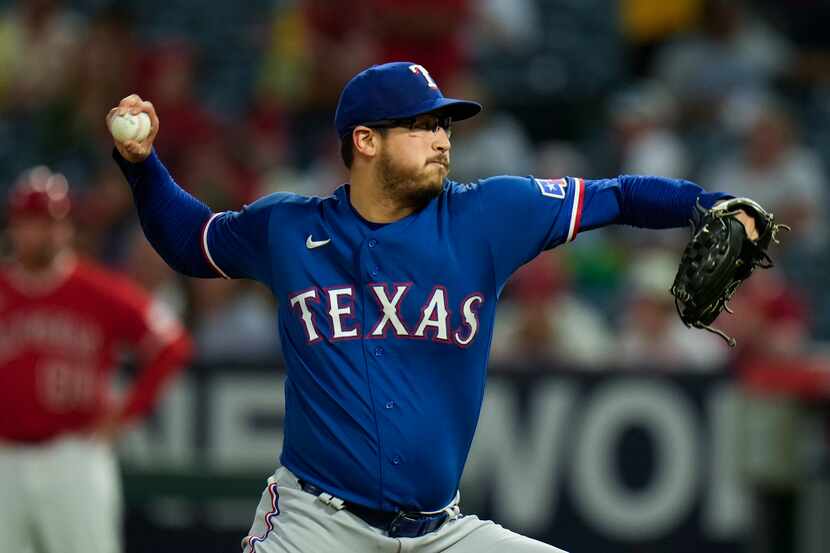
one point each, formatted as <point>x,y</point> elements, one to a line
<point>420,69</point>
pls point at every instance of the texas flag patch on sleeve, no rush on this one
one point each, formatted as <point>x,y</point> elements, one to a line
<point>558,188</point>
<point>553,188</point>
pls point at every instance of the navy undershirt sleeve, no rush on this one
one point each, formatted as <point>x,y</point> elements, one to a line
<point>171,218</point>
<point>643,201</point>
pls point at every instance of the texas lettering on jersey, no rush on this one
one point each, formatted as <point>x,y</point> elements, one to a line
<point>339,306</point>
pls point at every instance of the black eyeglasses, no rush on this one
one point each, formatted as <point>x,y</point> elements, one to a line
<point>431,124</point>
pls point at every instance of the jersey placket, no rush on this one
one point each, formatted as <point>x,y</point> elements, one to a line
<point>375,353</point>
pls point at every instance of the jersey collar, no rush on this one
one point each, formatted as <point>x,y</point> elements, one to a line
<point>347,209</point>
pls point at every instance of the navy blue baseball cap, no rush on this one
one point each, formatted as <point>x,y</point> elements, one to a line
<point>396,90</point>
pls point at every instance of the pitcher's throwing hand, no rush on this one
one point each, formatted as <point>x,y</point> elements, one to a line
<point>132,150</point>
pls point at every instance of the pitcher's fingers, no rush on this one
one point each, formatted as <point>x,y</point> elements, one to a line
<point>139,106</point>
<point>133,147</point>
<point>132,98</point>
<point>154,120</point>
<point>110,114</point>
<point>148,107</point>
<point>128,102</point>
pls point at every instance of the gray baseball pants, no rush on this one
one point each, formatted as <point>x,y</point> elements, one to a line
<point>290,520</point>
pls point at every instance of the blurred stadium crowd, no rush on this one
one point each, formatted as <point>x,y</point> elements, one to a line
<point>733,95</point>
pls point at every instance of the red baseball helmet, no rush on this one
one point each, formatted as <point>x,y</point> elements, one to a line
<point>39,192</point>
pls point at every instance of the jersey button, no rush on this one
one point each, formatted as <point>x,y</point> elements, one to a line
<point>375,271</point>
<point>373,243</point>
<point>396,460</point>
<point>390,404</point>
<point>378,351</point>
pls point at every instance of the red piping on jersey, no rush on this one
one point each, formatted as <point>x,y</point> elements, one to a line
<point>581,183</point>
<point>269,526</point>
<point>576,209</point>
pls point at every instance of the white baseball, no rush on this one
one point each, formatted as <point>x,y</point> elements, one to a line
<point>130,127</point>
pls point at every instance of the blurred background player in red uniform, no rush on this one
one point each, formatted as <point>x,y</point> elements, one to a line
<point>64,322</point>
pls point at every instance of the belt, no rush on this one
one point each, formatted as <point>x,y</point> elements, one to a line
<point>400,524</point>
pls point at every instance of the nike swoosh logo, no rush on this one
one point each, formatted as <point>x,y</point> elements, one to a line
<point>311,244</point>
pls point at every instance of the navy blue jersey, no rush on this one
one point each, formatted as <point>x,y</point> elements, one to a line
<point>386,329</point>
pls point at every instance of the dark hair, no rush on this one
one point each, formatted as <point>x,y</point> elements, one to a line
<point>347,147</point>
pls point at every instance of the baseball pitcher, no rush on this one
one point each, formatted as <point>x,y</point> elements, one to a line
<point>387,294</point>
